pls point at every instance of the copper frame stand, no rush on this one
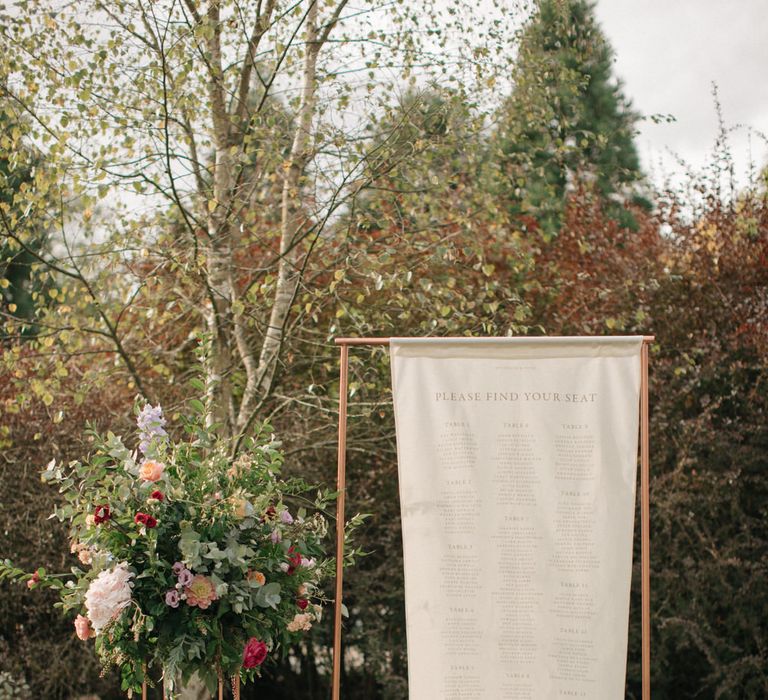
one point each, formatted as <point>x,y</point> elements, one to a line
<point>645,512</point>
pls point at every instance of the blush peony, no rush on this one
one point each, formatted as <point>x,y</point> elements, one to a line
<point>108,595</point>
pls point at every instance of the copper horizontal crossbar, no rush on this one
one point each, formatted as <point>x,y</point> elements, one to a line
<point>385,341</point>
<point>645,513</point>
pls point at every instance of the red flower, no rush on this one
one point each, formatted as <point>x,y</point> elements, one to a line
<point>294,559</point>
<point>269,514</point>
<point>145,519</point>
<point>157,495</point>
<point>35,579</point>
<point>254,653</point>
<point>101,514</point>
<point>302,603</point>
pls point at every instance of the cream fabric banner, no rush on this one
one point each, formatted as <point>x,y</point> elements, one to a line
<point>517,461</point>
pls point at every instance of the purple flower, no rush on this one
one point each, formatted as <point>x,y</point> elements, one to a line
<point>150,422</point>
<point>172,598</point>
<point>185,577</point>
<point>275,536</point>
<point>286,517</point>
<point>178,567</point>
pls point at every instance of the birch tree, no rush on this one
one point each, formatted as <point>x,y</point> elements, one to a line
<point>210,145</point>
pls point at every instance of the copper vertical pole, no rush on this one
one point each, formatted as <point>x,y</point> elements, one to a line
<point>645,524</point>
<point>144,690</point>
<point>236,687</point>
<point>341,479</point>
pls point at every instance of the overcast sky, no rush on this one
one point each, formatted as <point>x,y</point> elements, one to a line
<point>668,54</point>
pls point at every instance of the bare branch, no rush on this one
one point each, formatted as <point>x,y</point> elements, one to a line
<point>77,275</point>
<point>249,60</point>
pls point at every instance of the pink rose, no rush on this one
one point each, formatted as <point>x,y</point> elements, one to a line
<point>151,470</point>
<point>185,577</point>
<point>83,628</point>
<point>302,622</point>
<point>85,556</point>
<point>254,654</point>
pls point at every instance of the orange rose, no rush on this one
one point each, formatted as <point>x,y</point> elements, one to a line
<point>151,470</point>
<point>256,576</point>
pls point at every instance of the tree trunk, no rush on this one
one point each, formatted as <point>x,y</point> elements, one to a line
<point>292,221</point>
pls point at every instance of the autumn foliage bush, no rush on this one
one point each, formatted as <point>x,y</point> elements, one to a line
<point>695,274</point>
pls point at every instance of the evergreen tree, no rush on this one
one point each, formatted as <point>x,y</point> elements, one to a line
<point>17,283</point>
<point>567,119</point>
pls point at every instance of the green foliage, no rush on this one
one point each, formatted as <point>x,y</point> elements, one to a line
<point>567,119</point>
<point>700,289</point>
<point>22,289</point>
<point>252,570</point>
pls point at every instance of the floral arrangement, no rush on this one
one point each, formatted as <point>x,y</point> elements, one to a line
<point>189,559</point>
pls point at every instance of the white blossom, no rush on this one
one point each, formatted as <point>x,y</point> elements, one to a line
<point>108,595</point>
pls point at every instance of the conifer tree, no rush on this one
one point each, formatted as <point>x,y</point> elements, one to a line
<point>567,119</point>
<point>17,283</point>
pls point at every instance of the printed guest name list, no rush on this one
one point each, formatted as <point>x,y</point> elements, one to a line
<point>517,492</point>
